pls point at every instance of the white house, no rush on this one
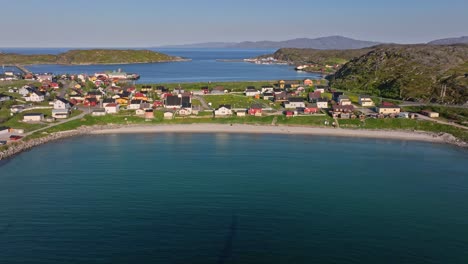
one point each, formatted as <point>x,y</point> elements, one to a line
<point>267,89</point>
<point>24,91</point>
<point>4,98</point>
<point>60,113</point>
<point>294,103</point>
<point>35,96</point>
<point>366,101</point>
<point>168,115</point>
<point>112,108</point>
<point>223,110</point>
<point>344,100</point>
<point>99,112</point>
<point>33,117</point>
<point>322,103</point>
<point>184,111</point>
<point>134,105</point>
<point>61,103</point>
<point>251,92</point>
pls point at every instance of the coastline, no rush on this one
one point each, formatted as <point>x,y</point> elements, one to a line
<point>441,138</point>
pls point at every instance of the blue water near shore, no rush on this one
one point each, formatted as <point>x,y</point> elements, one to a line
<point>203,67</point>
<point>222,198</point>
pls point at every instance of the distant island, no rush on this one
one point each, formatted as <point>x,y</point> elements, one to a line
<point>450,41</point>
<point>89,57</point>
<point>322,43</point>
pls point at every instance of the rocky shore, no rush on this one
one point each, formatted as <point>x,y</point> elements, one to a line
<point>21,146</point>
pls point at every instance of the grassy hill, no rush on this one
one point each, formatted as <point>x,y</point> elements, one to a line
<point>409,72</point>
<point>93,56</point>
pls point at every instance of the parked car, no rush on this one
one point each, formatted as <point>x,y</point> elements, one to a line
<point>2,142</point>
<point>15,137</point>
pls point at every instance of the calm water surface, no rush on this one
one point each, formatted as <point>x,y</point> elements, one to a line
<point>203,67</point>
<point>219,198</point>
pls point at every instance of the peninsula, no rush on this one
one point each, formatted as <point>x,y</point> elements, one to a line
<point>89,57</point>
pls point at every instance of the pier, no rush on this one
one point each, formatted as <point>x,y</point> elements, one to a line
<point>21,68</point>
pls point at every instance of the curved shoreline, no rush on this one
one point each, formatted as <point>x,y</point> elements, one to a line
<point>441,138</point>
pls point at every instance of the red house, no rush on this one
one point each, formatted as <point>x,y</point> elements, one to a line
<point>158,104</point>
<point>54,85</point>
<point>289,113</point>
<point>90,101</point>
<point>255,110</point>
<point>311,109</point>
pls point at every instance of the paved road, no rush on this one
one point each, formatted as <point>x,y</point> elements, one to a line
<point>56,124</point>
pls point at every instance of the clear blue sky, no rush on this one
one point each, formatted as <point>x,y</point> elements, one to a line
<point>140,23</point>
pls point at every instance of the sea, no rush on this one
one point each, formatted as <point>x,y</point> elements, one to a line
<point>234,198</point>
<point>204,65</point>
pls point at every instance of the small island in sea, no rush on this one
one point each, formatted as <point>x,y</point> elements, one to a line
<point>89,57</point>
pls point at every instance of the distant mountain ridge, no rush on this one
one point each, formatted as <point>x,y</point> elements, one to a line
<point>322,43</point>
<point>450,41</point>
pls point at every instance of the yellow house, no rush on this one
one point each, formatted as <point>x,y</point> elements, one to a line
<point>293,83</point>
<point>121,101</point>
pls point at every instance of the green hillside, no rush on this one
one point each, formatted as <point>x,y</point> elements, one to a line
<point>424,73</point>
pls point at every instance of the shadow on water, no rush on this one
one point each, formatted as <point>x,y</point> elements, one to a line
<point>227,250</point>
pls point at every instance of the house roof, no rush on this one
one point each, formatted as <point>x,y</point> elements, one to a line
<point>224,105</point>
<point>112,105</point>
<point>34,114</point>
<point>251,90</point>
<point>296,99</point>
<point>173,100</point>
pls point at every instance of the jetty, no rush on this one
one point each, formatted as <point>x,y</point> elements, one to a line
<point>21,68</point>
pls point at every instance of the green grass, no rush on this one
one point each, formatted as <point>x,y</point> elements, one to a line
<point>458,115</point>
<point>16,120</point>
<point>404,124</point>
<point>303,120</point>
<point>236,101</point>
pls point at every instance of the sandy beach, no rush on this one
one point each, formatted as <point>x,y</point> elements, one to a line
<point>255,129</point>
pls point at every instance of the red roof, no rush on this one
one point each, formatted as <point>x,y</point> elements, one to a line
<point>111,105</point>
<point>387,104</point>
<point>139,95</point>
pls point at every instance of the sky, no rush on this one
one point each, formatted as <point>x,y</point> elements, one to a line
<point>151,23</point>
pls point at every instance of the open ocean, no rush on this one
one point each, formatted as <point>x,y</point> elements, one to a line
<point>203,67</point>
<point>234,198</point>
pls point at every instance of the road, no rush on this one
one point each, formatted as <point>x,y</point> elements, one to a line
<point>56,124</point>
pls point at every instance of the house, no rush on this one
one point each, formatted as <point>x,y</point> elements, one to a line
<point>140,96</point>
<point>284,84</point>
<point>184,111</point>
<point>112,108</point>
<point>149,114</point>
<point>121,101</point>
<point>289,113</point>
<point>157,104</point>
<point>322,103</point>
<point>311,109</point>
<point>134,104</point>
<point>343,108</point>
<point>4,130</point>
<point>223,110</point>
<point>44,77</point>
<point>241,113</point>
<point>99,112</point>
<point>35,96</point>
<point>15,109</point>
<point>336,95</point>
<point>4,98</point>
<point>250,91</point>
<point>60,113</point>
<point>344,100</point>
<point>281,97</point>
<point>140,112</point>
<point>168,115</point>
<point>313,96</point>
<point>308,82</point>
<point>268,96</point>
<point>186,101</point>
<point>25,90</point>
<point>430,114</point>
<point>255,110</point>
<point>267,89</point>
<point>388,109</point>
<point>320,90</point>
<point>62,103</point>
<point>366,101</point>
<point>107,101</point>
<point>33,117</point>
<point>54,85</point>
<point>173,101</point>
<point>90,101</point>
<point>294,102</point>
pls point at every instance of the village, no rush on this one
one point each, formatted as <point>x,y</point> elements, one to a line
<point>60,98</point>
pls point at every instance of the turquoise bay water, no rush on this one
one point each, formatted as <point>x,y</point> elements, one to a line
<point>221,198</point>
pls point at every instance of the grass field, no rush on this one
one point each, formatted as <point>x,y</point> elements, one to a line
<point>236,101</point>
<point>231,86</point>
